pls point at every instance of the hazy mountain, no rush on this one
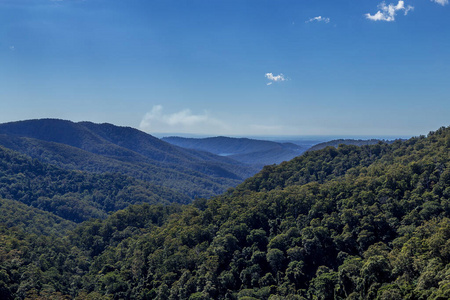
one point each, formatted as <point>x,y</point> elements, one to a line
<point>108,148</point>
<point>249,151</point>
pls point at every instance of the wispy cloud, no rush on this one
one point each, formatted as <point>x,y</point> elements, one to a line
<point>12,48</point>
<point>441,2</point>
<point>183,121</point>
<point>272,78</point>
<point>388,12</point>
<point>318,19</point>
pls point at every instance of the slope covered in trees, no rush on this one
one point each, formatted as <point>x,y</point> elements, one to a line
<point>74,195</point>
<point>369,222</point>
<point>32,220</point>
<point>107,148</point>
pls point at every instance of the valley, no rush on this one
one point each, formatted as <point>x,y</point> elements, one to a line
<point>253,152</point>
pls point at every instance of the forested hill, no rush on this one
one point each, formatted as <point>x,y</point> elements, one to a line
<point>74,195</point>
<point>370,222</point>
<point>249,151</point>
<point>14,214</point>
<point>104,148</point>
<point>316,166</point>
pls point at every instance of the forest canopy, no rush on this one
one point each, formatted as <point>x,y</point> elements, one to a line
<point>369,222</point>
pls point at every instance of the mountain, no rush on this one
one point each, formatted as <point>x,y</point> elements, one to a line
<point>108,148</point>
<point>352,222</point>
<point>248,151</point>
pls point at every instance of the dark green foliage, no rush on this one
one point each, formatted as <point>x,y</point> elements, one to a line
<point>38,267</point>
<point>74,195</point>
<point>369,222</point>
<point>317,166</point>
<point>32,220</point>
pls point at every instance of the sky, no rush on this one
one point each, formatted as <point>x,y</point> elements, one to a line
<point>229,67</point>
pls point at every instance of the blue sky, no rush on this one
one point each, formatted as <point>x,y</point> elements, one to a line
<point>229,67</point>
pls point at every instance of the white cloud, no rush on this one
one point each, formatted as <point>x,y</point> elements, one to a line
<point>270,76</point>
<point>12,48</point>
<point>388,12</point>
<point>319,19</point>
<point>183,121</point>
<point>441,2</point>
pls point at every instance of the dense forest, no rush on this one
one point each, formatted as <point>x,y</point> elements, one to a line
<point>74,195</point>
<point>352,222</point>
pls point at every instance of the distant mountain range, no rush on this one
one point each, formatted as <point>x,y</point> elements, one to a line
<point>249,151</point>
<point>108,148</point>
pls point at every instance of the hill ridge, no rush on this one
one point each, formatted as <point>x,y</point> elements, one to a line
<point>127,150</point>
